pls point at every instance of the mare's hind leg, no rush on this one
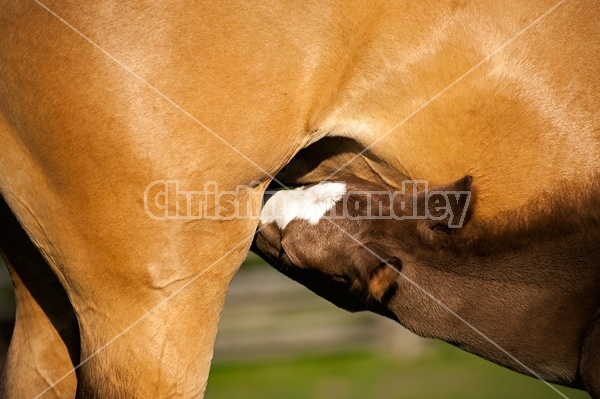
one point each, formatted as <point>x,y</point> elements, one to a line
<point>589,364</point>
<point>45,342</point>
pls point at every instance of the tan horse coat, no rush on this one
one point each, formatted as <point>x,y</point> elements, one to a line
<point>96,106</point>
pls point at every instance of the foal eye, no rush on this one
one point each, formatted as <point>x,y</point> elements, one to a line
<point>439,227</point>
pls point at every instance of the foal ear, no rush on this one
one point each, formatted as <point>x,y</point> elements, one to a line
<point>446,209</point>
<point>382,281</point>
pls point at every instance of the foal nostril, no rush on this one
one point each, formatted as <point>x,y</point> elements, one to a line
<point>342,279</point>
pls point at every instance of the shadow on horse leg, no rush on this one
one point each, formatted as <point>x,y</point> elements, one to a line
<point>45,342</point>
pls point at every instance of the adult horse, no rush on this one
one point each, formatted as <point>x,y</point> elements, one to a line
<point>99,102</point>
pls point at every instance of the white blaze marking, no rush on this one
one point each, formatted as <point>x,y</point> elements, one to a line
<point>302,203</point>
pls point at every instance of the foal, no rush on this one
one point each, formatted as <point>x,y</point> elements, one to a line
<point>400,255</point>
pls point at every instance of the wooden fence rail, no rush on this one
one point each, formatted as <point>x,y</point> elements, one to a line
<point>267,315</point>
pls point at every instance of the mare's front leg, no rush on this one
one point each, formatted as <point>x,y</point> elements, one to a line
<point>45,342</point>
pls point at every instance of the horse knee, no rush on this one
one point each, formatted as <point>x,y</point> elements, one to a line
<point>145,344</point>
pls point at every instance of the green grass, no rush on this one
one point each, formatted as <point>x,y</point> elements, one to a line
<point>442,373</point>
<point>253,260</point>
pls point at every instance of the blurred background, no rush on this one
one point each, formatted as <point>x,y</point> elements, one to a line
<point>279,340</point>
